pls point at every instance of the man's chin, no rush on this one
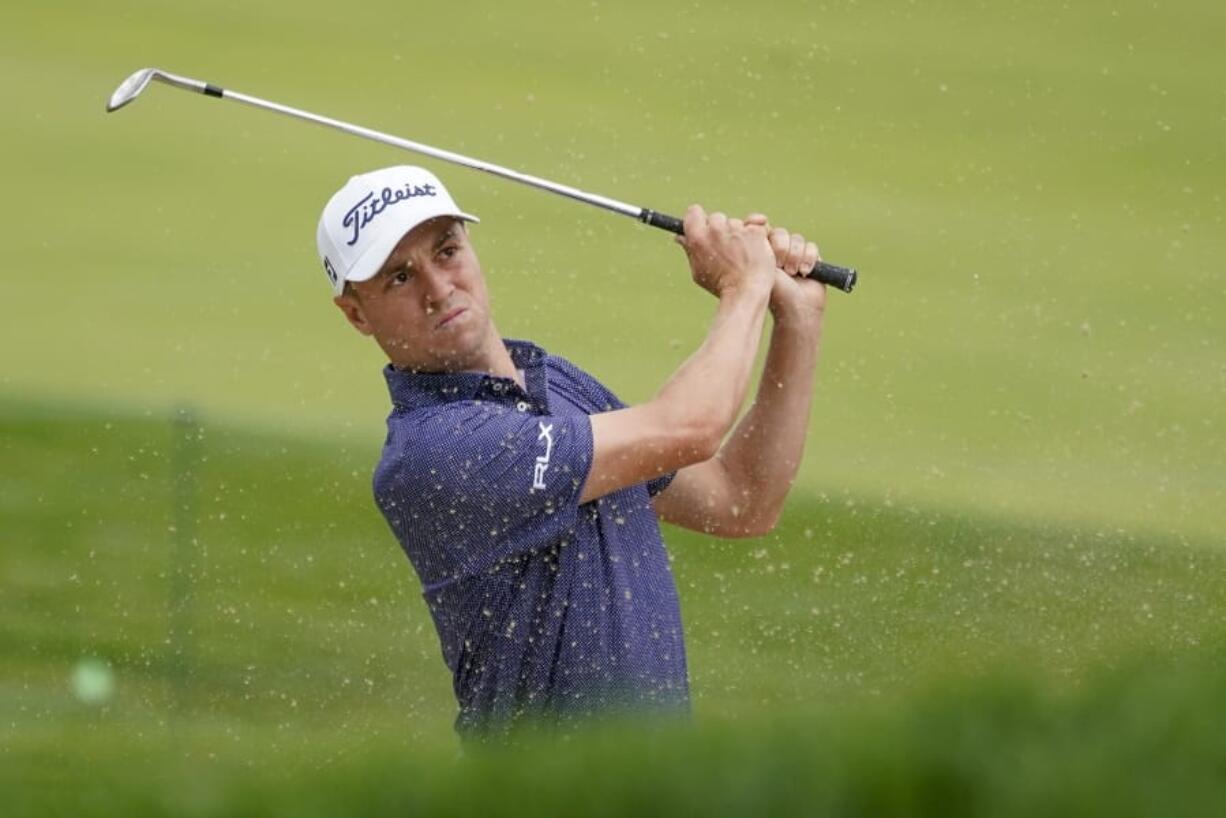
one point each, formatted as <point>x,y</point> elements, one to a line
<point>445,349</point>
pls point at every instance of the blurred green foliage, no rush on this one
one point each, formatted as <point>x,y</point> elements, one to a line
<point>1140,741</point>
<point>285,638</point>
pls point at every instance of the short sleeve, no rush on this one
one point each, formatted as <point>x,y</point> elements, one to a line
<point>480,481</point>
<point>604,396</point>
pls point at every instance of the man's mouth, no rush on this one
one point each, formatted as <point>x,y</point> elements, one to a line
<point>449,316</point>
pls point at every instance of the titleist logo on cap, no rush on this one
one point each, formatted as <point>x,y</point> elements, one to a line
<point>368,207</point>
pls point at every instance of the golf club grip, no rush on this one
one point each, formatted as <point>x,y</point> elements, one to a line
<point>844,278</point>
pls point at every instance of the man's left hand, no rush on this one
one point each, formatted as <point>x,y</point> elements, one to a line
<point>795,297</point>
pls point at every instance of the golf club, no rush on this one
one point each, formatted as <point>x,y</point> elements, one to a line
<point>843,278</point>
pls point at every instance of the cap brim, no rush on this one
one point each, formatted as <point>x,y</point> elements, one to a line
<point>371,261</point>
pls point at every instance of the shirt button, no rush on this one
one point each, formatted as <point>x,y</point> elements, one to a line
<point>522,406</point>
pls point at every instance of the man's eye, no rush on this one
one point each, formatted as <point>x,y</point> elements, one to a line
<point>449,251</point>
<point>401,276</point>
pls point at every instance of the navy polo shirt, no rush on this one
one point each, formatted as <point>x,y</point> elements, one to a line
<point>544,607</point>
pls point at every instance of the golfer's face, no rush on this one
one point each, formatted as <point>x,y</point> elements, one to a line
<point>428,306</point>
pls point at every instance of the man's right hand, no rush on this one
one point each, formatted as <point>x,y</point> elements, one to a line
<point>725,254</point>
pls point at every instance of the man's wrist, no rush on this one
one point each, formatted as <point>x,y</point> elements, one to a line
<point>794,318</point>
<point>754,287</point>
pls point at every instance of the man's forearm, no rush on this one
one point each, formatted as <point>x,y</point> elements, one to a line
<point>763,453</point>
<point>710,387</point>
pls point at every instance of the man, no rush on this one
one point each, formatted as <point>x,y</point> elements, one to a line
<point>525,494</point>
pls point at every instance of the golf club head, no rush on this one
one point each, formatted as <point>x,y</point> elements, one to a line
<point>130,89</point>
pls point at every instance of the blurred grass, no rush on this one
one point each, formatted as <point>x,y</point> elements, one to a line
<point>292,630</point>
<point>1032,191</point>
<point>1131,742</point>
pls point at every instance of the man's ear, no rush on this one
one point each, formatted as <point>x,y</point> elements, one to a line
<point>352,308</point>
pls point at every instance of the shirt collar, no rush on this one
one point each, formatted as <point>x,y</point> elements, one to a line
<point>414,390</point>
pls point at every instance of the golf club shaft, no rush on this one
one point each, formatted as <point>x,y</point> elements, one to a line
<point>841,277</point>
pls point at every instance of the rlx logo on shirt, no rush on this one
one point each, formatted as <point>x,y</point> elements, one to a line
<point>542,460</point>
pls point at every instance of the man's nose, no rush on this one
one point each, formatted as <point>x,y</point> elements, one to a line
<point>436,287</point>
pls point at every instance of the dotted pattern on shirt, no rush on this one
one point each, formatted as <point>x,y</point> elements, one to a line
<point>544,608</point>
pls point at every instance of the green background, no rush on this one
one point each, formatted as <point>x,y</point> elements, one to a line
<point>1016,457</point>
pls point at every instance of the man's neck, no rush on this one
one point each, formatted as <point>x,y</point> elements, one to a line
<point>494,359</point>
<point>501,363</point>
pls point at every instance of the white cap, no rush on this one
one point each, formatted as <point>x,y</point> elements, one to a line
<point>364,221</point>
